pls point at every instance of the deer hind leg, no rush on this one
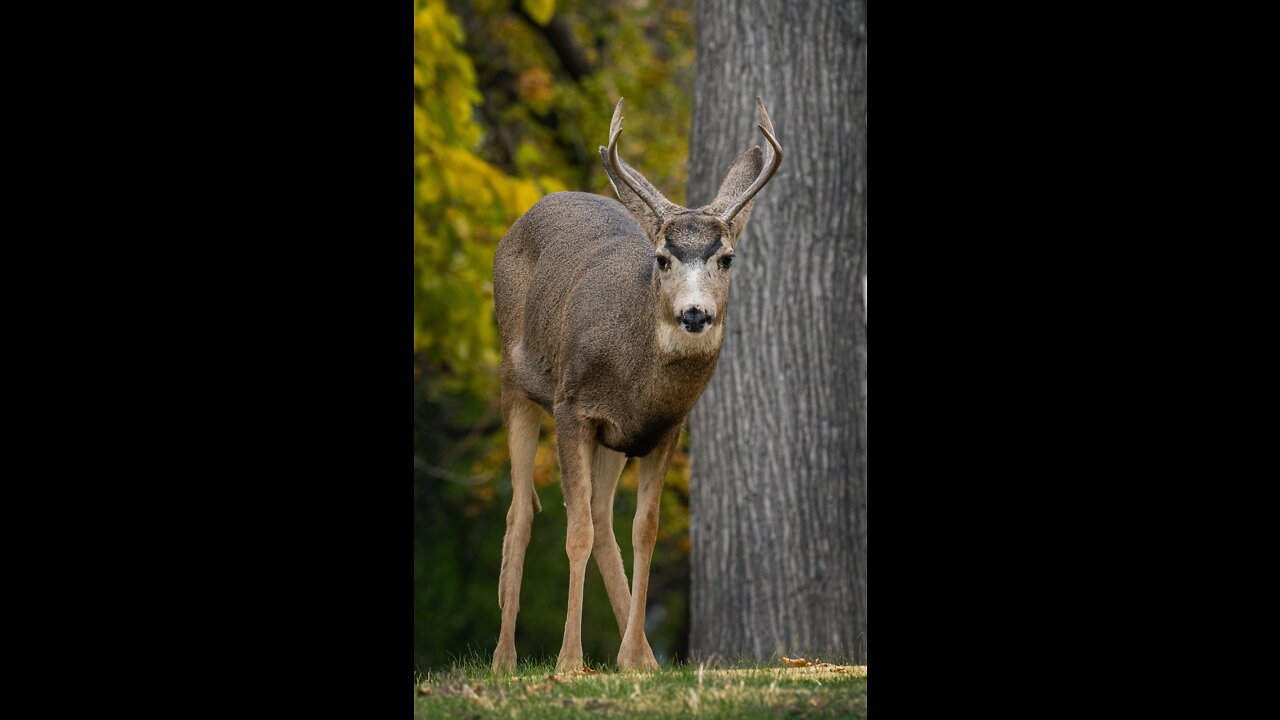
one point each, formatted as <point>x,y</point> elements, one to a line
<point>576,447</point>
<point>606,466</point>
<point>635,653</point>
<point>523,422</point>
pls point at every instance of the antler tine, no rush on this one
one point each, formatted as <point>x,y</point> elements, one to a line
<point>615,129</point>
<point>764,115</point>
<point>615,125</point>
<point>766,127</point>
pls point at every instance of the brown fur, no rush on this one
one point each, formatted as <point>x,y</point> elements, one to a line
<point>590,333</point>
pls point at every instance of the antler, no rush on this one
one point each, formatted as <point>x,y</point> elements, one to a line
<point>766,127</point>
<point>615,129</point>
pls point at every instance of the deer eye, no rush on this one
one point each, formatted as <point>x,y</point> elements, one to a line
<point>726,261</point>
<point>662,262</point>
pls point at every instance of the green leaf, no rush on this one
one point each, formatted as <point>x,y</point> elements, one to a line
<point>540,10</point>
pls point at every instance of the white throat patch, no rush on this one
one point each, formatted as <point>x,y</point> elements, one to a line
<point>674,340</point>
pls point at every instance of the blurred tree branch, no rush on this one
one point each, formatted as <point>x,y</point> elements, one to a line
<point>438,472</point>
<point>560,38</point>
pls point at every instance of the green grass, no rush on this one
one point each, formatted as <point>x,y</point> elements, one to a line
<point>471,691</point>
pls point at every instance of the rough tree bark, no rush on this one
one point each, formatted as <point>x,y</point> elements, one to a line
<point>779,440</point>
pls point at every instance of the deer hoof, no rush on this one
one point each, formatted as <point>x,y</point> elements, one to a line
<point>636,656</point>
<point>504,659</point>
<point>569,660</point>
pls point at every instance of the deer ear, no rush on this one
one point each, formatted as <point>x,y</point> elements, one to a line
<point>742,173</point>
<point>648,219</point>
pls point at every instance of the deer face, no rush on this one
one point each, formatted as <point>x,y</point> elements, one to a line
<point>693,249</point>
<point>693,257</point>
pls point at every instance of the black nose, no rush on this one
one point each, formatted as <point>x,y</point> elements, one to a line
<point>694,320</point>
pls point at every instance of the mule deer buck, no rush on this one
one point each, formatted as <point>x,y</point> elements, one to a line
<point>612,315</point>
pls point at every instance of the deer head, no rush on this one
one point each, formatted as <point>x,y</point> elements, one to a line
<point>693,249</point>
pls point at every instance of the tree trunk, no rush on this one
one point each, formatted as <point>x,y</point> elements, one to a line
<point>778,494</point>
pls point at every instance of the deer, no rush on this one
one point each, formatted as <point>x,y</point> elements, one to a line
<point>611,314</point>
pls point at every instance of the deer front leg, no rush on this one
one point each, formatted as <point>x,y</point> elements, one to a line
<point>522,421</point>
<point>606,466</point>
<point>635,653</point>
<point>576,446</point>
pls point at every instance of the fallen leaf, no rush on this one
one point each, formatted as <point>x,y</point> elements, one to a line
<point>424,690</point>
<point>795,662</point>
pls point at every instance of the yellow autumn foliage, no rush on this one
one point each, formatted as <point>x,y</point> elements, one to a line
<point>498,122</point>
<point>540,10</point>
<point>462,206</point>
